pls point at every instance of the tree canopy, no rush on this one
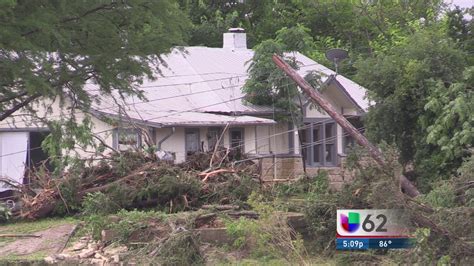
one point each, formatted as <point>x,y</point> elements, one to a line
<point>52,48</point>
<point>414,57</point>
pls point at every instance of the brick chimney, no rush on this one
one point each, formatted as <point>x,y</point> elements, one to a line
<point>235,38</point>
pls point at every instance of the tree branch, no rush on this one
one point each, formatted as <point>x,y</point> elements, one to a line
<point>18,106</point>
<point>6,99</point>
<point>65,20</point>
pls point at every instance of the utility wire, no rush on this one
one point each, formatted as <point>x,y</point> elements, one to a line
<point>176,96</point>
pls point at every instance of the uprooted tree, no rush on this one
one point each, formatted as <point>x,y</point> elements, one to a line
<point>135,180</point>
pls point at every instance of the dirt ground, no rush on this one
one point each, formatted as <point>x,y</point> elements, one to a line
<point>52,241</point>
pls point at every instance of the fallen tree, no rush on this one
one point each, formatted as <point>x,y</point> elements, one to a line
<point>132,180</point>
<point>317,98</point>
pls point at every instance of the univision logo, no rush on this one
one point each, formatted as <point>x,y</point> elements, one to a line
<point>350,224</point>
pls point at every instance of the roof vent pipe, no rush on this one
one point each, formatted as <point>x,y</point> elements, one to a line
<point>235,38</point>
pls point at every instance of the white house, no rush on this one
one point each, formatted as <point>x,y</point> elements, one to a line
<point>196,96</point>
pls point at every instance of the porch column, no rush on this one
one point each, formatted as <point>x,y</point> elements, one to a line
<point>296,140</point>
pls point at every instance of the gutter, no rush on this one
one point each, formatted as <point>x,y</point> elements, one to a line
<point>173,129</point>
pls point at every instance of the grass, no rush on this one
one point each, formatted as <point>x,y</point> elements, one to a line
<point>29,227</point>
<point>36,258</point>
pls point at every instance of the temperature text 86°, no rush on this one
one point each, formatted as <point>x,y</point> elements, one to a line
<point>384,244</point>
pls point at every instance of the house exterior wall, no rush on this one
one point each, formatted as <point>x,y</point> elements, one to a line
<point>22,121</point>
<point>174,144</point>
<point>258,139</point>
<point>280,168</point>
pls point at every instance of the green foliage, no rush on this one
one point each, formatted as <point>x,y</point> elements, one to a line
<point>49,50</point>
<point>5,213</point>
<point>181,249</point>
<point>94,40</point>
<point>95,224</point>
<point>449,119</point>
<point>69,203</point>
<point>306,186</point>
<point>267,238</point>
<point>416,107</point>
<point>442,195</point>
<point>234,189</point>
<point>240,231</point>
<point>464,182</point>
<point>124,225</point>
<point>98,203</point>
<point>267,84</point>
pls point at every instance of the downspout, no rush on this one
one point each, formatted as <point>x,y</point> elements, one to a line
<point>158,146</point>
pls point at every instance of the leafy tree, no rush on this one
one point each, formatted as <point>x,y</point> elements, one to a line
<point>49,49</point>
<point>400,81</point>
<point>211,18</point>
<point>267,84</point>
<point>448,121</point>
<point>460,29</point>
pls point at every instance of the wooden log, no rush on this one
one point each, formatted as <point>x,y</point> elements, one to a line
<point>317,98</point>
<point>247,214</point>
<point>20,235</point>
<point>220,207</point>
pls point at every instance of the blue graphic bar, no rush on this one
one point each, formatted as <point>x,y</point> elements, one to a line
<point>386,243</point>
<point>352,243</point>
<point>372,243</point>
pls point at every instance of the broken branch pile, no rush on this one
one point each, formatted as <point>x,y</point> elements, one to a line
<point>131,180</point>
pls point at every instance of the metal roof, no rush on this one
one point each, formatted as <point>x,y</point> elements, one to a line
<point>172,118</point>
<point>196,81</point>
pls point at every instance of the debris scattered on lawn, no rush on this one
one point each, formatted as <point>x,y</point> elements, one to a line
<point>133,180</point>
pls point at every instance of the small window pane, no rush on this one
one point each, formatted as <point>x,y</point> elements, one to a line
<point>237,142</point>
<point>213,137</point>
<point>330,153</point>
<point>236,138</point>
<point>349,142</point>
<point>317,153</point>
<point>329,130</point>
<point>127,139</point>
<point>192,142</point>
<point>316,134</point>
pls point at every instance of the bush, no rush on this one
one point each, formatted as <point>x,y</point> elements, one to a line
<point>128,223</point>
<point>5,213</point>
<point>180,249</point>
<point>98,203</point>
<point>442,195</point>
<point>269,237</point>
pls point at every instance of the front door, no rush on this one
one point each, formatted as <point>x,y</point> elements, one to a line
<point>237,141</point>
<point>13,153</point>
<point>191,141</point>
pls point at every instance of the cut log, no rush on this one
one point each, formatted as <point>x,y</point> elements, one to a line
<point>20,235</point>
<point>220,207</point>
<point>246,214</point>
<point>317,98</point>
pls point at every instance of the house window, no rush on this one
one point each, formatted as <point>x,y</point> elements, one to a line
<point>127,139</point>
<point>191,141</point>
<point>237,140</point>
<point>349,142</point>
<point>213,135</point>
<point>322,149</point>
